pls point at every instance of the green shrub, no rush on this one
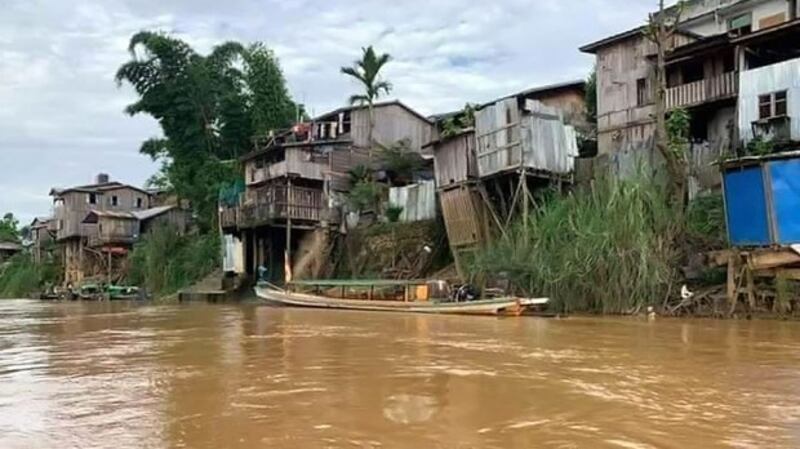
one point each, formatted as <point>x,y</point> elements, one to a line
<point>165,261</point>
<point>364,196</point>
<point>606,249</point>
<point>705,220</point>
<point>393,213</point>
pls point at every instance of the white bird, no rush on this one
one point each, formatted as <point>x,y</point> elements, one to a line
<point>685,293</point>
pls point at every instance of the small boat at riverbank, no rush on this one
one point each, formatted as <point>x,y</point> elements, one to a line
<point>387,296</point>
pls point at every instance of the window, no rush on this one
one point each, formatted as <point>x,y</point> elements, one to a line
<point>139,203</point>
<point>772,105</point>
<point>641,92</point>
<point>114,201</point>
<point>741,24</point>
<point>780,103</point>
<point>92,198</point>
<point>693,71</point>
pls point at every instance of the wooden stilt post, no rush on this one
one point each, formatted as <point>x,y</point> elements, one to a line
<point>731,285</point>
<point>751,288</point>
<point>108,281</point>
<point>523,179</point>
<point>288,254</point>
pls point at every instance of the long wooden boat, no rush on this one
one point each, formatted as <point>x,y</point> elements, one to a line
<point>412,300</point>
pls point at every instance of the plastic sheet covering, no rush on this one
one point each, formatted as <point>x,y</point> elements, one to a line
<point>785,180</point>
<point>229,195</point>
<point>746,207</point>
<point>233,255</point>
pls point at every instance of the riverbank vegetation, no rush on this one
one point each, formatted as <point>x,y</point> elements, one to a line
<point>606,249</point>
<point>20,276</point>
<point>165,261</point>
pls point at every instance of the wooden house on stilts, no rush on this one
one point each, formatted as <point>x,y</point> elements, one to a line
<point>486,175</point>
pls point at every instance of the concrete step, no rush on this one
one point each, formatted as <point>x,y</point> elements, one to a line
<point>212,288</point>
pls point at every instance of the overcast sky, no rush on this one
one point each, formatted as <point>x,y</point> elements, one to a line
<point>61,118</point>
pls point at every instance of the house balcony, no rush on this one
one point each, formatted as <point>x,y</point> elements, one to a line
<point>100,240</point>
<point>267,204</point>
<point>720,87</point>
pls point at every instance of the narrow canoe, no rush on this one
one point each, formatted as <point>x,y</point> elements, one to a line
<point>498,306</point>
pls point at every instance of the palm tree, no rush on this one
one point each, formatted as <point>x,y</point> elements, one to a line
<point>366,71</point>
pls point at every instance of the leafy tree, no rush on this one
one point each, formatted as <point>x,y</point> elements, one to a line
<point>365,196</point>
<point>208,108</point>
<point>367,72</point>
<point>272,106</point>
<point>359,173</point>
<point>400,162</point>
<point>9,228</point>
<point>591,96</point>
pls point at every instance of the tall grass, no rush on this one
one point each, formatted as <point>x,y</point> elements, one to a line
<point>20,276</point>
<point>705,222</point>
<point>165,261</point>
<point>607,249</point>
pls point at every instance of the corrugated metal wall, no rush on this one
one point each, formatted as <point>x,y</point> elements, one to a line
<point>417,200</point>
<point>538,139</point>
<point>764,80</point>
<point>548,144</point>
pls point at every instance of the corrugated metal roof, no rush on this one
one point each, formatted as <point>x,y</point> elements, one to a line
<point>152,213</point>
<point>95,188</point>
<point>376,105</point>
<point>110,214</point>
<point>536,90</point>
<point>10,246</point>
<point>751,160</point>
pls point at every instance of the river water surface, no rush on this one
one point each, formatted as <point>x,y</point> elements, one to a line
<point>100,375</point>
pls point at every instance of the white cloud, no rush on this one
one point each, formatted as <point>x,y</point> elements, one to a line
<point>61,118</point>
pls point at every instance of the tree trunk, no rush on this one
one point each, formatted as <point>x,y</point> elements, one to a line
<point>371,128</point>
<point>676,164</point>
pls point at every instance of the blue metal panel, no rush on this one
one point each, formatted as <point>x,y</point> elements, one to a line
<point>746,207</point>
<point>785,176</point>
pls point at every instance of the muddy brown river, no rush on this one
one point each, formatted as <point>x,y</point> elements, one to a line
<point>100,375</point>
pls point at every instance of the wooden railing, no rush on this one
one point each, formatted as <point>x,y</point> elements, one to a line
<point>268,203</point>
<point>228,217</point>
<point>698,92</point>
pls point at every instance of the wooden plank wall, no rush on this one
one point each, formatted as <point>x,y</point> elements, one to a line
<point>70,215</point>
<point>464,216</point>
<point>622,123</point>
<point>454,160</point>
<point>342,161</point>
<point>392,123</point>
